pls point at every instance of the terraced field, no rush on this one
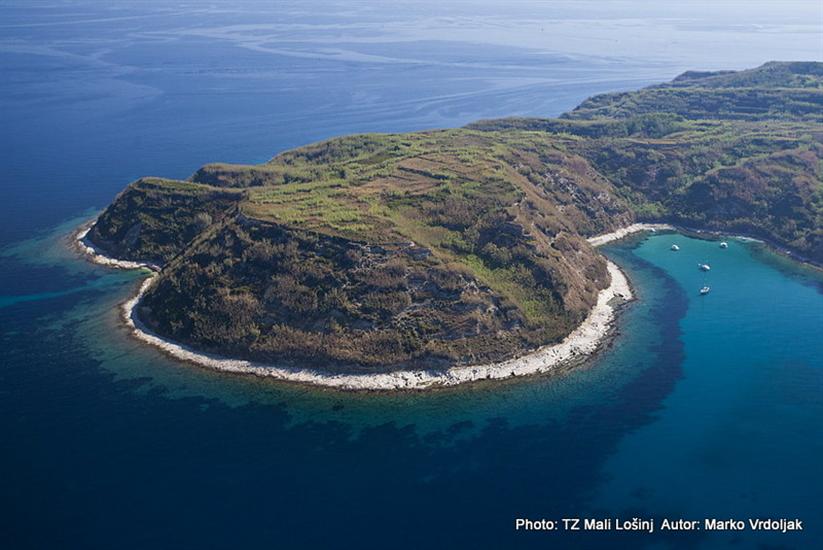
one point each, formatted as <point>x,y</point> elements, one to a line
<point>384,251</point>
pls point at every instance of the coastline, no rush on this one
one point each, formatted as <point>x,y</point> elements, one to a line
<point>95,255</point>
<point>580,344</point>
<point>775,247</point>
<point>616,235</point>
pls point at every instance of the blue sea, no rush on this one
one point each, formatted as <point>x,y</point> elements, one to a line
<point>703,407</point>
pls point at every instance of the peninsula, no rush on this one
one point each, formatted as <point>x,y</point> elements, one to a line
<point>386,261</point>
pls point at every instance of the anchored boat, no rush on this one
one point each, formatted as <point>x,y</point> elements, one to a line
<point>704,267</point>
<point>724,244</point>
<point>675,248</point>
<point>705,290</point>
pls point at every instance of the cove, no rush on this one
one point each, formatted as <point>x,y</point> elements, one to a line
<point>702,407</point>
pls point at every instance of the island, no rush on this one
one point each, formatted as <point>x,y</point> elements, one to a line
<point>407,261</point>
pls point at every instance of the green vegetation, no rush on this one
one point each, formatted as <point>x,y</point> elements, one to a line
<point>773,91</point>
<point>382,251</point>
<point>155,218</point>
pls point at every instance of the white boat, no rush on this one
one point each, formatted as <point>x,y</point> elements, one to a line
<point>705,290</point>
<point>704,267</point>
<point>724,244</point>
<point>675,247</point>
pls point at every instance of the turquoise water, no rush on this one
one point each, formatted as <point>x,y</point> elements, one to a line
<point>739,435</point>
<point>703,407</point>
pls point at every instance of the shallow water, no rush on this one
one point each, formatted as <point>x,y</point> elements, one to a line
<point>702,406</point>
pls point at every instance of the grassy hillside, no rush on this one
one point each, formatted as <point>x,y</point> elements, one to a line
<point>153,219</point>
<point>775,90</point>
<point>734,151</point>
<point>437,247</point>
<point>761,180</point>
<point>383,251</point>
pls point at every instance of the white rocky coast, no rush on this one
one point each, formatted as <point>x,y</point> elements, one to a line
<point>95,255</point>
<point>583,341</point>
<point>605,238</point>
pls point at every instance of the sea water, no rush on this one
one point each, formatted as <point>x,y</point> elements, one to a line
<point>702,407</point>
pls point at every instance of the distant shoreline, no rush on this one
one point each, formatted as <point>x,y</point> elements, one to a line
<point>580,344</point>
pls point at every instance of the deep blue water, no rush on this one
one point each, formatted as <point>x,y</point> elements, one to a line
<point>703,407</point>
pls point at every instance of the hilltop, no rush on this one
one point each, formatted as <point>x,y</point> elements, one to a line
<point>384,252</point>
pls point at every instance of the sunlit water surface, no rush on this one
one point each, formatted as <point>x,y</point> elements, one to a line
<point>702,407</point>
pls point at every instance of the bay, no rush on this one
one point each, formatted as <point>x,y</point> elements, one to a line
<point>702,407</point>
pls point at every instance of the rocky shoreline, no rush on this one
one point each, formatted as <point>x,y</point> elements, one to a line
<point>587,338</point>
<point>600,240</point>
<point>97,256</point>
